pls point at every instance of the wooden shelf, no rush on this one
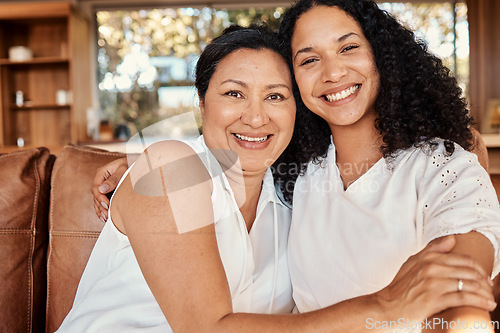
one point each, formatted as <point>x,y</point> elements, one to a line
<point>58,36</point>
<point>40,107</point>
<point>35,61</point>
<point>491,140</point>
<point>10,149</point>
<point>34,10</point>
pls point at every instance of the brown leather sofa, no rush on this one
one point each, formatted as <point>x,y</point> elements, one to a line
<point>47,230</point>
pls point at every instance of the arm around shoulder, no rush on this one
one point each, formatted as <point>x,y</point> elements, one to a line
<point>182,265</point>
<point>182,269</point>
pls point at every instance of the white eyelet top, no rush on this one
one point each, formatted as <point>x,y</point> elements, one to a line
<point>347,243</point>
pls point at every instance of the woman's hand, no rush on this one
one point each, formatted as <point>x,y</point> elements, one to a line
<point>428,283</point>
<point>105,181</point>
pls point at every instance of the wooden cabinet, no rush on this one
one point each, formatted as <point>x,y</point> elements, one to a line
<point>58,38</point>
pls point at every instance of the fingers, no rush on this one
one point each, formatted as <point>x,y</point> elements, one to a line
<point>108,186</point>
<point>465,298</point>
<point>101,204</point>
<point>438,245</point>
<point>111,182</point>
<point>105,181</point>
<point>421,299</point>
<point>99,197</point>
<point>113,170</point>
<point>451,285</point>
<point>445,294</point>
<point>419,288</point>
<point>100,211</point>
<point>449,264</point>
<point>449,269</point>
<point>442,244</point>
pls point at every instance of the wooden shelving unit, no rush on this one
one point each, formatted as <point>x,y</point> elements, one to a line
<point>35,61</point>
<point>27,106</point>
<point>58,37</point>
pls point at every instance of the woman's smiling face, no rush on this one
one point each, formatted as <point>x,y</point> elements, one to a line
<point>334,66</point>
<point>249,107</point>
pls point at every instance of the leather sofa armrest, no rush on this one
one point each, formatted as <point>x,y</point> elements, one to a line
<point>73,226</point>
<point>24,195</point>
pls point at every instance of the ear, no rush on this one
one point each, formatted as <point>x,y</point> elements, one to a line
<point>201,103</point>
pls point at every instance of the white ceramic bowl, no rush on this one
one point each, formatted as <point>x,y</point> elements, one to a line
<point>20,53</point>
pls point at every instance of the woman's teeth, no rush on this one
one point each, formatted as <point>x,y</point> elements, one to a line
<point>342,94</point>
<point>251,139</point>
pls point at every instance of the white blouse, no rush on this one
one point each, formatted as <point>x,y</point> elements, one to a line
<point>347,243</point>
<point>114,297</point>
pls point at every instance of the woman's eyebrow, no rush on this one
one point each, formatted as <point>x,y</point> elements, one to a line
<point>344,37</point>
<point>277,85</point>
<point>304,50</point>
<point>241,83</point>
<point>310,48</point>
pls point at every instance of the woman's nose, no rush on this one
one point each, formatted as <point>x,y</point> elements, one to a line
<point>333,70</point>
<point>255,115</point>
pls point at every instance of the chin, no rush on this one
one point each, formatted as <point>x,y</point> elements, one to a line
<point>254,167</point>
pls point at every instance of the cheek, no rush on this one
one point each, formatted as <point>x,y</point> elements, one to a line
<point>302,78</point>
<point>309,101</point>
<point>302,82</point>
<point>306,83</point>
<point>287,121</point>
<point>376,82</point>
<point>221,115</point>
<point>367,65</point>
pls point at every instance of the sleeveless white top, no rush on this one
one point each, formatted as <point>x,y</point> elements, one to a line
<point>114,297</point>
<point>347,243</point>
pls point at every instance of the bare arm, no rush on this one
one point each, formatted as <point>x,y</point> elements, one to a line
<point>479,248</point>
<point>186,276</point>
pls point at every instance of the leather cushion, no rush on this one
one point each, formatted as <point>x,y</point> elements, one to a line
<point>73,226</point>
<point>25,185</point>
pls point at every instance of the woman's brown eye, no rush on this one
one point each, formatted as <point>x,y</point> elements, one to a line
<point>233,94</point>
<point>276,97</point>
<point>308,61</point>
<point>350,47</point>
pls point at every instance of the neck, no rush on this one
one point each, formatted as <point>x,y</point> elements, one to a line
<point>246,188</point>
<point>357,147</point>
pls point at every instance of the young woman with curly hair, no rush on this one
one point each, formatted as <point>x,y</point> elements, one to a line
<point>384,161</point>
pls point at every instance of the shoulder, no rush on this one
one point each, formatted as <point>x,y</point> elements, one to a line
<point>435,153</point>
<point>168,177</point>
<point>163,168</point>
<point>432,160</point>
<point>171,162</point>
<point>435,169</point>
<point>166,151</point>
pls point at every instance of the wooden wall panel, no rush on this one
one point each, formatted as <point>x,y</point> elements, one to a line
<point>484,30</point>
<point>80,79</point>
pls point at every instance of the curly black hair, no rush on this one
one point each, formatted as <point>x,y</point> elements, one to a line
<point>419,100</point>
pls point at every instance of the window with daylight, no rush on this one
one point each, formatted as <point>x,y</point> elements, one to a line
<point>444,28</point>
<point>146,58</point>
